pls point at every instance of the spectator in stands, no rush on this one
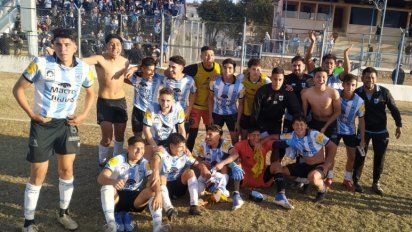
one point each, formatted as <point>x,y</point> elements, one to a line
<point>408,53</point>
<point>369,54</point>
<point>266,43</point>
<point>136,54</point>
<point>5,44</point>
<point>401,76</point>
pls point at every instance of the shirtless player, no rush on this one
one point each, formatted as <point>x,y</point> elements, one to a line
<point>111,103</point>
<point>325,106</point>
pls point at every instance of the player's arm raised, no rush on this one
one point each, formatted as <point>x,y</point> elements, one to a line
<point>309,64</point>
<point>93,60</point>
<point>346,63</point>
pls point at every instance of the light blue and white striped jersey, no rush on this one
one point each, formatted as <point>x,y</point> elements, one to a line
<point>213,156</point>
<point>146,92</point>
<point>182,88</point>
<point>225,95</point>
<point>352,108</point>
<point>334,82</point>
<point>135,175</point>
<point>307,146</point>
<point>161,125</point>
<point>174,166</point>
<point>57,87</point>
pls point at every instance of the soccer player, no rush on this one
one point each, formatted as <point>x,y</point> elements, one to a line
<point>111,103</point>
<point>202,73</point>
<point>325,105</point>
<point>270,103</point>
<point>161,119</point>
<point>123,189</point>
<point>176,174</point>
<point>352,107</point>
<point>318,154</point>
<point>252,81</point>
<point>215,157</point>
<point>225,92</point>
<point>53,127</point>
<point>146,88</point>
<point>376,99</point>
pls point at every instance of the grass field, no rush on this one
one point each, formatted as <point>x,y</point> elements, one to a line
<point>341,210</point>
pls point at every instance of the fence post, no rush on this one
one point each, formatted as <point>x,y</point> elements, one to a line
<point>361,53</point>
<point>322,51</point>
<point>162,37</point>
<point>400,51</point>
<point>243,56</point>
<point>29,24</point>
<point>378,61</point>
<point>198,41</point>
<point>191,42</point>
<point>184,38</point>
<point>203,33</point>
<point>79,30</point>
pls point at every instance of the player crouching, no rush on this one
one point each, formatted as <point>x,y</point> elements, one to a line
<point>123,180</point>
<point>317,153</point>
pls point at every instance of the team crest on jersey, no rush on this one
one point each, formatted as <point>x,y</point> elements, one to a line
<point>156,119</point>
<point>78,76</point>
<point>293,84</point>
<point>303,85</point>
<point>280,97</point>
<point>376,100</point>
<point>50,75</point>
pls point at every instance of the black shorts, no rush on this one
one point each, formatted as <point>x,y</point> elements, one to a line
<point>126,202</point>
<point>348,140</point>
<point>245,122</point>
<point>230,120</point>
<point>302,169</point>
<point>111,110</point>
<point>52,137</point>
<point>137,120</point>
<point>176,188</point>
<point>331,132</point>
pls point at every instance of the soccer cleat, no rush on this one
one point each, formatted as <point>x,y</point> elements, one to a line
<point>128,222</point>
<point>110,227</point>
<point>237,201</point>
<point>171,214</point>
<point>194,210</point>
<point>328,182</point>
<point>348,185</point>
<point>256,196</point>
<point>162,228</point>
<point>67,222</point>
<point>320,196</point>
<point>358,187</point>
<point>280,199</point>
<point>30,228</point>
<point>119,221</point>
<point>376,187</point>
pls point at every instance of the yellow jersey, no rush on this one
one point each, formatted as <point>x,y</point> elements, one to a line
<point>250,90</point>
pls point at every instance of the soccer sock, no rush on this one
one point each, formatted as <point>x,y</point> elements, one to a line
<point>302,180</point>
<point>192,185</point>
<point>167,204</point>
<point>118,147</point>
<point>201,186</point>
<point>107,197</point>
<point>236,186</point>
<point>31,196</point>
<point>66,190</point>
<point>348,175</point>
<point>330,174</point>
<point>103,152</point>
<point>156,214</point>
<point>223,182</point>
<point>279,183</point>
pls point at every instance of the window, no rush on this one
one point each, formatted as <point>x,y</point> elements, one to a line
<point>395,19</point>
<point>290,9</point>
<point>307,11</point>
<point>363,16</point>
<point>323,12</point>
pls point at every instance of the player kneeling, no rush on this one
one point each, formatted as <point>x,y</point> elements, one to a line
<point>176,175</point>
<point>317,153</point>
<point>216,158</point>
<point>123,189</point>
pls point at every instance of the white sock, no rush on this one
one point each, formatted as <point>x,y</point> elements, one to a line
<point>31,195</point>
<point>192,185</point>
<point>348,175</point>
<point>156,214</point>
<point>103,153</point>
<point>167,204</point>
<point>201,184</point>
<point>117,148</point>
<point>107,197</point>
<point>330,174</point>
<point>223,182</point>
<point>66,190</point>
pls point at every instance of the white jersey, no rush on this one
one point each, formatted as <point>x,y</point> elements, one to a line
<point>161,125</point>
<point>225,95</point>
<point>182,88</point>
<point>135,175</point>
<point>352,108</point>
<point>334,82</point>
<point>174,166</point>
<point>214,156</point>
<point>57,87</point>
<point>308,146</point>
<point>146,91</point>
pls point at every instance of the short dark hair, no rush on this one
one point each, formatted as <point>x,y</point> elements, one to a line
<point>178,60</point>
<point>63,33</point>
<point>215,128</point>
<point>328,56</point>
<point>148,61</point>
<point>167,91</point>
<point>278,70</point>
<point>176,138</point>
<point>349,77</point>
<point>254,62</point>
<point>298,58</point>
<point>299,118</point>
<point>206,48</point>
<point>369,70</point>
<point>319,69</point>
<point>135,139</point>
<point>252,129</point>
<point>113,36</point>
<point>339,61</point>
<point>229,61</point>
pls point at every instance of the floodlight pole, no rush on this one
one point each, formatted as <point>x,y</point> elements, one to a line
<point>398,64</point>
<point>378,61</point>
